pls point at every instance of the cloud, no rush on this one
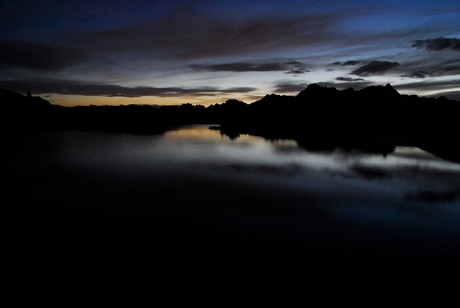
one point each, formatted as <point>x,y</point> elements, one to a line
<point>348,63</point>
<point>417,74</point>
<point>39,56</point>
<point>428,66</point>
<point>438,87</point>
<point>296,68</point>
<point>423,66</point>
<point>239,67</point>
<point>342,85</point>
<point>349,79</point>
<point>439,43</point>
<point>289,87</point>
<point>374,68</point>
<point>352,62</point>
<point>191,35</point>
<point>291,67</point>
<point>69,87</point>
<point>432,85</point>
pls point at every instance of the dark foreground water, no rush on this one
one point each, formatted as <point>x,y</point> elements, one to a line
<point>193,199</point>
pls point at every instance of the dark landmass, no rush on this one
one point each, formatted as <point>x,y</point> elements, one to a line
<point>373,119</point>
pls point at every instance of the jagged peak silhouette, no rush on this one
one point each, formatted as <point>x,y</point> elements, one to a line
<point>379,92</point>
<point>316,90</point>
<point>235,103</point>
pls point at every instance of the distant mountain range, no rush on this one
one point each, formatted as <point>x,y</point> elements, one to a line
<point>317,115</point>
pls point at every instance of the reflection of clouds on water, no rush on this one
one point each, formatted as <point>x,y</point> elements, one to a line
<point>419,176</point>
<point>408,174</point>
<point>414,153</point>
<point>275,188</point>
<point>286,146</point>
<point>405,171</point>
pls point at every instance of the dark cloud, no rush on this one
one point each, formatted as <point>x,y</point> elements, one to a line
<point>38,56</point>
<point>374,68</point>
<point>240,67</point>
<point>69,87</point>
<point>289,87</point>
<point>417,74</point>
<point>188,35</point>
<point>441,88</point>
<point>444,67</point>
<point>297,71</point>
<point>296,68</point>
<point>439,43</point>
<point>423,66</point>
<point>342,85</point>
<point>349,79</point>
<point>352,62</point>
<point>349,63</point>
<point>435,85</point>
<point>291,67</point>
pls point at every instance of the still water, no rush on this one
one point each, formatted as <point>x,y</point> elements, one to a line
<point>194,184</point>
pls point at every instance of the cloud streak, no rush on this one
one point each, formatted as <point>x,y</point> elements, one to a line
<point>375,68</point>
<point>349,63</point>
<point>188,35</point>
<point>349,79</point>
<point>428,84</point>
<point>39,56</point>
<point>239,67</point>
<point>342,85</point>
<point>68,87</point>
<point>437,87</point>
<point>290,67</point>
<point>417,74</point>
<point>440,43</point>
<point>288,86</point>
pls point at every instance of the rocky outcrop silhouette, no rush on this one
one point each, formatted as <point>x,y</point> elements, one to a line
<point>25,112</point>
<point>377,111</point>
<point>317,117</point>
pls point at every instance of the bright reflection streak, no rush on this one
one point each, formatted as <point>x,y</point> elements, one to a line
<point>252,149</point>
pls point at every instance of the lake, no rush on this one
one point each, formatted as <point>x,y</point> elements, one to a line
<point>194,194</point>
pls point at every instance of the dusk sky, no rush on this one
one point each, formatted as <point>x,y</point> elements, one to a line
<point>204,52</point>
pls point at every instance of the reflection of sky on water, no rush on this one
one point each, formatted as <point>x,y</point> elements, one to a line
<point>406,187</point>
<point>404,191</point>
<point>405,172</point>
<point>271,187</point>
<point>408,175</point>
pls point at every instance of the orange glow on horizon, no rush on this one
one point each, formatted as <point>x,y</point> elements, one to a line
<point>81,100</point>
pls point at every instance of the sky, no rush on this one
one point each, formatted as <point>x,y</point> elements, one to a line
<point>114,52</point>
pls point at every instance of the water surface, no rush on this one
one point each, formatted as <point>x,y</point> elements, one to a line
<point>194,190</point>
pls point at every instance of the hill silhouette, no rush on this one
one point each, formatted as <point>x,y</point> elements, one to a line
<point>318,118</point>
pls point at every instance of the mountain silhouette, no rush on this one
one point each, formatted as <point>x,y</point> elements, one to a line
<point>317,118</point>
